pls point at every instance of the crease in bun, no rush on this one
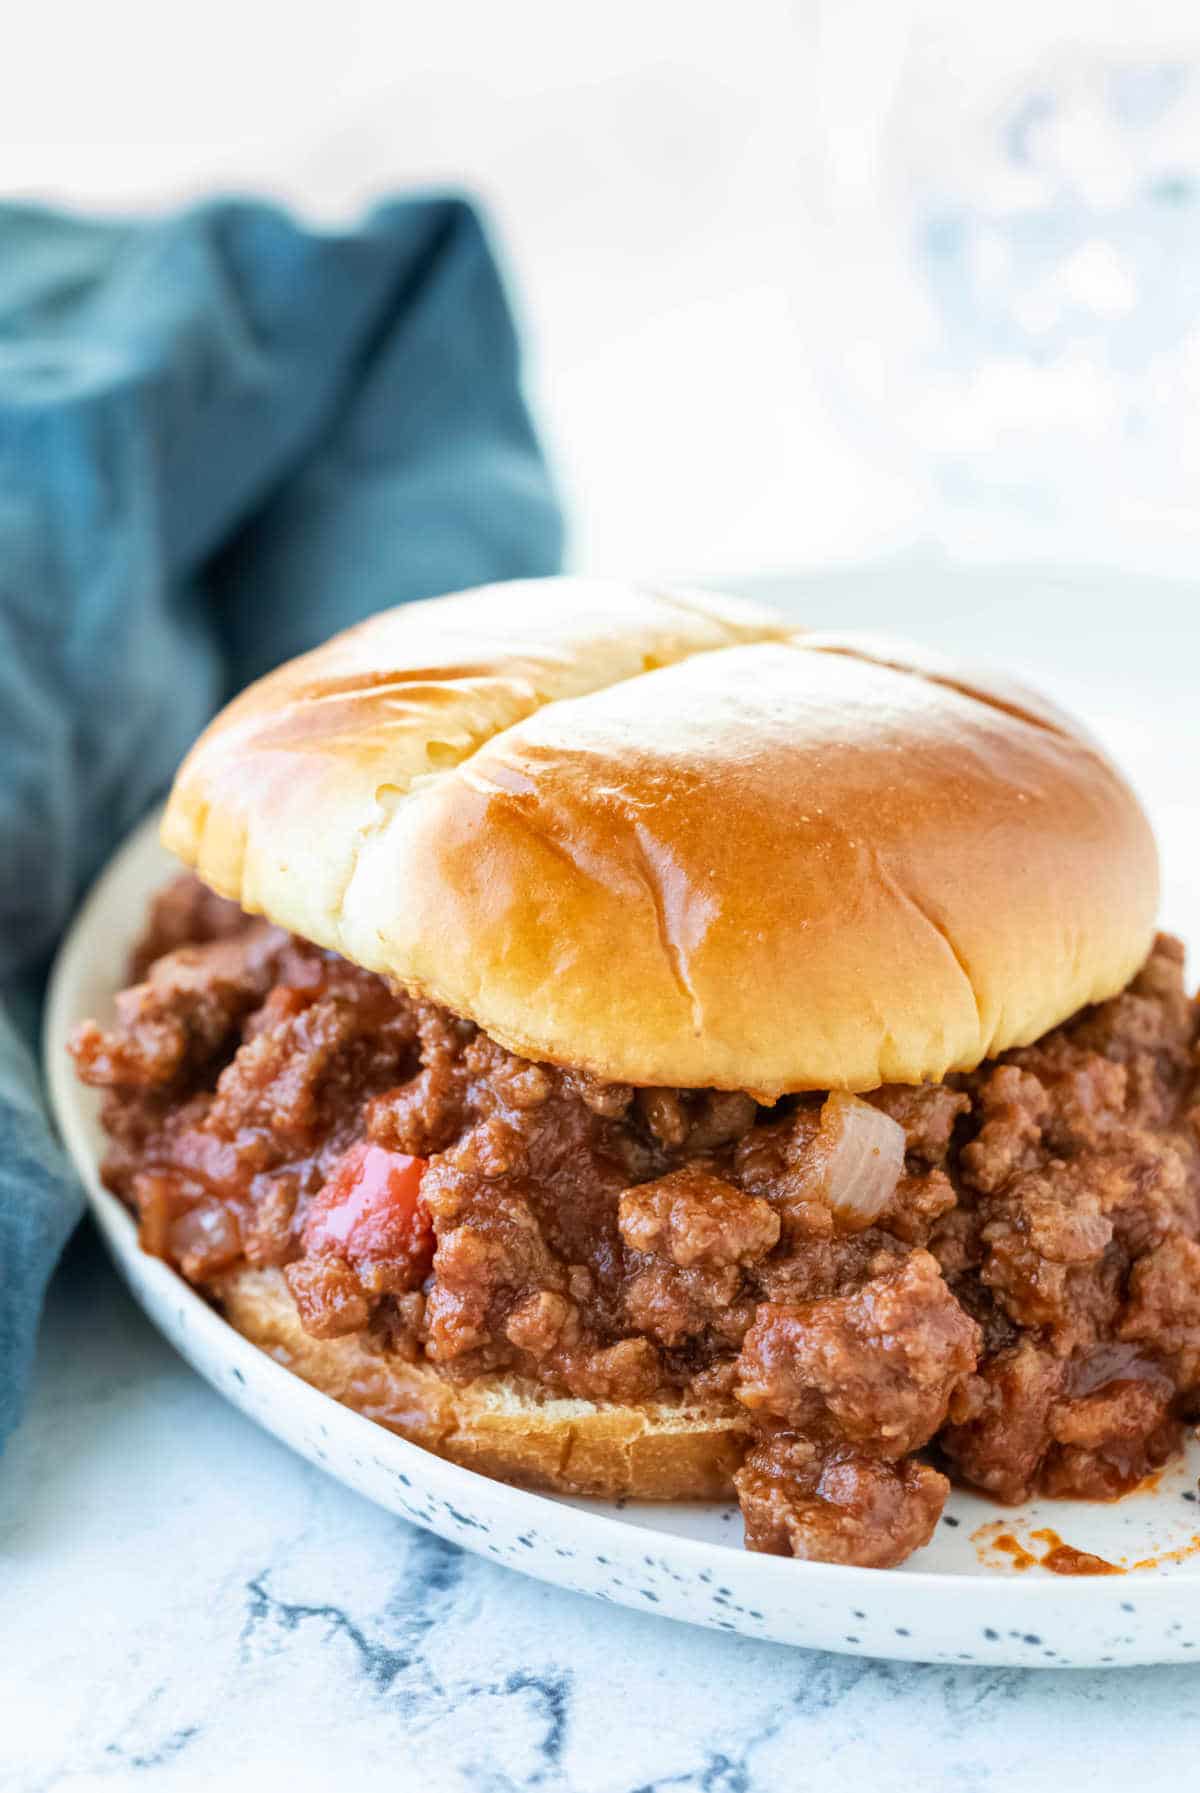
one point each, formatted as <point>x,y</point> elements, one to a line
<point>670,839</point>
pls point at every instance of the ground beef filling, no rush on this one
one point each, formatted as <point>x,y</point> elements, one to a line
<point>1024,1312</point>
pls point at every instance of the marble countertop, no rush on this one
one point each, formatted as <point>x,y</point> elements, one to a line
<point>184,1604</point>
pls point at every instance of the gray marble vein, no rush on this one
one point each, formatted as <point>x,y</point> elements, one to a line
<point>186,1605</point>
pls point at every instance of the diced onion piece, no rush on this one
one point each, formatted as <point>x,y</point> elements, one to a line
<point>863,1149</point>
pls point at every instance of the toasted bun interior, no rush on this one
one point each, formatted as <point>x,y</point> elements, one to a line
<point>669,839</point>
<point>500,1426</point>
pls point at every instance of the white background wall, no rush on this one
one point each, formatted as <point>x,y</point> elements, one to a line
<point>803,281</point>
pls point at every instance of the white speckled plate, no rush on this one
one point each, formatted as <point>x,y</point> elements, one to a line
<point>977,1593</point>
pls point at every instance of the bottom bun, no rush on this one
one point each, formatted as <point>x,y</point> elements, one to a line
<point>499,1425</point>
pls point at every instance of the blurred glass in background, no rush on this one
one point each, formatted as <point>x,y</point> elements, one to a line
<point>803,282</point>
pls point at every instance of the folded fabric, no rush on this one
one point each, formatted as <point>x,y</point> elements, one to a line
<point>222,437</point>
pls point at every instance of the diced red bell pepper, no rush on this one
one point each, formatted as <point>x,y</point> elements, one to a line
<point>371,1208</point>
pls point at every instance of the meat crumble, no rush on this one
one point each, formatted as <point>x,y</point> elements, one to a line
<point>1023,1313</point>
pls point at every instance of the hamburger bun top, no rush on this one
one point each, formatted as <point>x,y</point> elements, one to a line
<point>670,839</point>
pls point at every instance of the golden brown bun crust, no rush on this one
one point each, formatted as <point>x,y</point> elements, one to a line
<point>671,840</point>
<point>498,1426</point>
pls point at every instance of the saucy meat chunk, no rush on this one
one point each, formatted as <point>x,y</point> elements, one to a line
<point>876,1368</point>
<point>844,1508</point>
<point>693,1218</point>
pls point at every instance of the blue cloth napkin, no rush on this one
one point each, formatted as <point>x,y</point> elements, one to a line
<point>222,437</point>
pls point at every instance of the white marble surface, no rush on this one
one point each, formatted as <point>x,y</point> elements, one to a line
<point>183,1604</point>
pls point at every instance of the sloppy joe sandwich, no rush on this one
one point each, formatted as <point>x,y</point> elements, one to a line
<point>632,1046</point>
